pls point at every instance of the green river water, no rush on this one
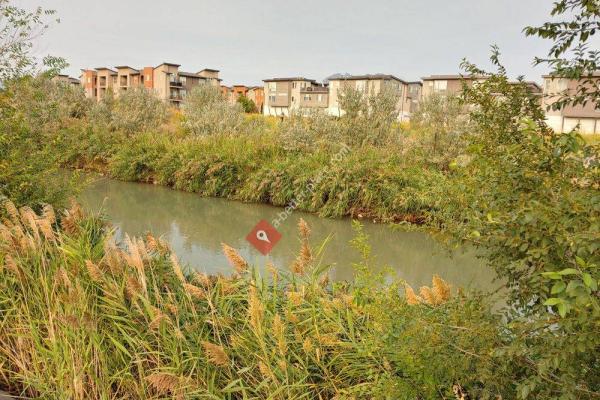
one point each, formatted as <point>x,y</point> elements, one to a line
<point>195,227</point>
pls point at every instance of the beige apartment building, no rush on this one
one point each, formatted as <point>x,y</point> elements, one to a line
<point>584,117</point>
<point>165,80</point>
<point>285,96</point>
<point>66,79</point>
<point>372,85</point>
<point>452,85</point>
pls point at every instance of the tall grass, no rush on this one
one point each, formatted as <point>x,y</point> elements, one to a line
<point>374,182</point>
<point>83,317</point>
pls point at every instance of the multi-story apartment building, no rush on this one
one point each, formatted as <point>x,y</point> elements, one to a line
<point>66,79</point>
<point>166,80</point>
<point>415,91</point>
<point>371,85</point>
<point>452,85</point>
<point>448,85</point>
<point>283,95</point>
<point>257,95</point>
<point>584,117</point>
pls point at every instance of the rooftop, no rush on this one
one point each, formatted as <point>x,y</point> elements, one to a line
<point>366,77</point>
<point>298,78</point>
<point>450,77</point>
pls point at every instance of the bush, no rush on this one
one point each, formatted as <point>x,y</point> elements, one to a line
<point>247,104</point>
<point>440,128</point>
<point>84,317</point>
<point>207,112</point>
<point>132,111</point>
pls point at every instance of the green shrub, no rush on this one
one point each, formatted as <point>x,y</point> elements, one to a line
<point>207,112</point>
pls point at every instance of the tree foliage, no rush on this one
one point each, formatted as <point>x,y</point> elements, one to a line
<point>571,55</point>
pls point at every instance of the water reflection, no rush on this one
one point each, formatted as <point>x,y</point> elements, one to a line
<point>196,226</point>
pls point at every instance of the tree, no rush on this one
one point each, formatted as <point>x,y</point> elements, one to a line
<point>207,112</point>
<point>18,29</point>
<point>442,122</point>
<point>247,104</point>
<point>571,55</point>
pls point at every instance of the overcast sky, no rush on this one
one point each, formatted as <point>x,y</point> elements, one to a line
<point>252,40</point>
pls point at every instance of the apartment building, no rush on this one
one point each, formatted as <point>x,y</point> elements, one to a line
<point>585,117</point>
<point>257,95</point>
<point>283,96</point>
<point>66,79</point>
<point>452,85</point>
<point>415,91</point>
<point>165,80</point>
<point>372,85</point>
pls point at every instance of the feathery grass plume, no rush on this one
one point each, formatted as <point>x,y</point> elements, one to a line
<point>265,371</point>
<point>273,271</point>
<point>441,289</point>
<point>112,258</point>
<point>255,309</point>
<point>298,266</point>
<point>12,212</point>
<point>5,234</point>
<point>225,285</point>
<point>48,213</point>
<point>427,295</point>
<point>305,254</point>
<point>93,271</point>
<point>307,346</point>
<point>234,258</point>
<point>324,281</point>
<point>28,218</point>
<point>152,242</point>
<point>158,318</point>
<point>133,287</point>
<point>304,229</point>
<point>163,382</point>
<point>279,333</point>
<point>62,278</point>
<point>45,227</point>
<point>177,268</point>
<point>411,298</point>
<point>68,224</point>
<point>202,279</point>
<point>12,266</point>
<point>295,298</point>
<point>291,317</point>
<point>194,291</point>
<point>173,309</point>
<point>216,354</point>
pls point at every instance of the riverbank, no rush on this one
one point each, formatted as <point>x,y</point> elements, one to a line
<point>380,184</point>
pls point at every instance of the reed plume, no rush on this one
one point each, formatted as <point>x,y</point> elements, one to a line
<point>164,383</point>
<point>93,271</point>
<point>235,260</point>
<point>279,334</point>
<point>177,268</point>
<point>194,291</point>
<point>411,298</point>
<point>216,354</point>
<point>440,289</point>
<point>12,212</point>
<point>427,295</point>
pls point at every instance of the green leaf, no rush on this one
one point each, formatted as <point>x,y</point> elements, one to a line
<point>558,287</point>
<point>580,261</point>
<point>562,309</point>
<point>590,282</point>
<point>552,275</point>
<point>568,271</point>
<point>552,301</point>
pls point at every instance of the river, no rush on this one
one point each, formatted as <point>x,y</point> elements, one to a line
<point>195,227</point>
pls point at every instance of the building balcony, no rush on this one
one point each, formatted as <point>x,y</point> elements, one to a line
<point>175,83</point>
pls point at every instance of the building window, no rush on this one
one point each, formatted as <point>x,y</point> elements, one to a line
<point>320,98</point>
<point>293,85</point>
<point>439,86</point>
<point>307,97</point>
<point>182,79</point>
<point>292,98</point>
<point>89,80</point>
<point>272,99</point>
